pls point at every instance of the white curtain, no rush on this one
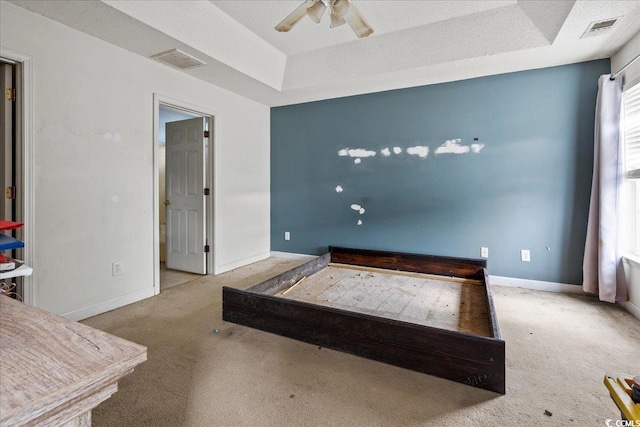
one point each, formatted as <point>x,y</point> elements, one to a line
<point>602,267</point>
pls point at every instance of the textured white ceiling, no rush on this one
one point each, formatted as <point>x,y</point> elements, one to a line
<point>385,17</point>
<point>414,43</point>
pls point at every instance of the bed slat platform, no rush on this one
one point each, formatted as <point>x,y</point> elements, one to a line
<point>427,313</point>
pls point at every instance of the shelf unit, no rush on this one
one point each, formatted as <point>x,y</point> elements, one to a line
<point>8,243</point>
<point>23,270</point>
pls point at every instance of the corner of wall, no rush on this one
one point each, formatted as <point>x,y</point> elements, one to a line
<point>623,57</point>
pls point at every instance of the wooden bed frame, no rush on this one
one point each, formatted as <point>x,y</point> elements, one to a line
<point>475,360</point>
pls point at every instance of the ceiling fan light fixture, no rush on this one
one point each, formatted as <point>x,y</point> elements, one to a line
<point>341,11</point>
<point>294,17</point>
<point>340,7</point>
<point>316,11</point>
<point>337,20</point>
<point>358,24</point>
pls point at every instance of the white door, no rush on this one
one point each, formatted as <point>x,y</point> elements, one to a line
<point>185,201</point>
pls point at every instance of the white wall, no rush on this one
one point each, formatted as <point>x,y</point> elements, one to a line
<point>631,77</point>
<point>632,275</point>
<point>624,56</point>
<point>93,165</point>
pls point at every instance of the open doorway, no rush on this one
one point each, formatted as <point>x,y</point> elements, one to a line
<point>8,147</point>
<point>16,164</point>
<point>184,186</point>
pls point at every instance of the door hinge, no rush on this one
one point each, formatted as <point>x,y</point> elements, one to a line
<point>206,134</point>
<point>11,192</point>
<point>206,191</point>
<point>10,94</point>
<point>206,249</point>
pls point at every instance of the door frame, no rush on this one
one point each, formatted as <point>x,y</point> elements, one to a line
<point>8,71</point>
<point>186,147</point>
<point>211,158</point>
<point>25,206</point>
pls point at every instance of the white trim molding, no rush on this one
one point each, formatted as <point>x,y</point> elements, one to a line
<point>631,263</point>
<point>632,260</point>
<point>112,304</point>
<point>219,269</point>
<point>291,255</point>
<point>537,285</point>
<point>631,308</point>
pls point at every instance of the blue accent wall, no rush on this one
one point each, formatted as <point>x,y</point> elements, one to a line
<point>528,187</point>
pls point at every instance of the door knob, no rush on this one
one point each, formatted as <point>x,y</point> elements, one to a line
<point>167,202</point>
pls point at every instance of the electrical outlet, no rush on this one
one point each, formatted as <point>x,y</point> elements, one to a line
<point>525,255</point>
<point>484,252</point>
<point>287,235</point>
<point>116,269</point>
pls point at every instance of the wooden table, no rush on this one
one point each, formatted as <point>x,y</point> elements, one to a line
<point>54,371</point>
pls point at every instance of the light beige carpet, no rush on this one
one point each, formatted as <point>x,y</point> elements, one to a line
<point>170,278</point>
<point>559,348</point>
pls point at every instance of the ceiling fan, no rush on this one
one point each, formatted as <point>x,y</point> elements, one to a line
<point>341,11</point>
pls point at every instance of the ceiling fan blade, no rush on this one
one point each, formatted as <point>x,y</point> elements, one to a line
<point>356,21</point>
<point>295,16</point>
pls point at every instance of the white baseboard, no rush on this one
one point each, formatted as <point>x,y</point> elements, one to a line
<point>495,280</point>
<point>112,304</point>
<point>291,255</point>
<point>631,308</point>
<point>537,285</point>
<point>219,269</point>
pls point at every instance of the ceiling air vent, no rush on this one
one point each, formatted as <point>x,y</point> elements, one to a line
<point>178,59</point>
<point>600,27</point>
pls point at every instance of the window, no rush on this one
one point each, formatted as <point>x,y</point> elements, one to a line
<point>631,129</point>
<point>636,250</point>
<point>631,134</point>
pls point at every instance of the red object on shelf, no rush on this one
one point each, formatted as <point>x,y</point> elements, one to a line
<point>9,225</point>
